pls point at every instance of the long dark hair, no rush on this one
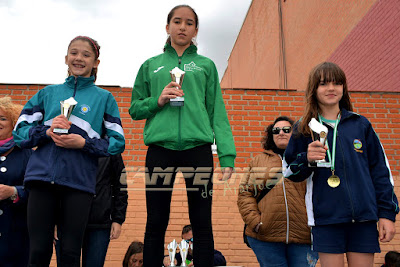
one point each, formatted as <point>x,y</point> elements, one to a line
<point>171,14</point>
<point>328,72</point>
<point>134,248</point>
<point>95,47</point>
<point>268,141</point>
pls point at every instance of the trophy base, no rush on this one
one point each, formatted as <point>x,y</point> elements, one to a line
<point>60,131</point>
<point>214,149</point>
<point>323,164</point>
<point>177,102</point>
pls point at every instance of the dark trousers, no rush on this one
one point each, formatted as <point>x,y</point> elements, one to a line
<point>196,165</point>
<point>50,204</point>
<point>95,246</point>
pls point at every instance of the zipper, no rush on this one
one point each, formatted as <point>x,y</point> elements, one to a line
<point>287,211</point>
<point>55,148</point>
<point>55,151</point>
<point>345,179</point>
<point>75,86</point>
<point>179,129</point>
<point>180,115</point>
<point>287,208</point>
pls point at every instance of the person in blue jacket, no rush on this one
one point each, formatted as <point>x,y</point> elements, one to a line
<point>61,174</point>
<point>14,240</point>
<point>107,212</point>
<point>347,197</point>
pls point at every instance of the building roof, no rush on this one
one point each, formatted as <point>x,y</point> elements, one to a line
<point>359,35</point>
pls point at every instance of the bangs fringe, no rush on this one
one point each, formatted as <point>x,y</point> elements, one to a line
<point>329,72</point>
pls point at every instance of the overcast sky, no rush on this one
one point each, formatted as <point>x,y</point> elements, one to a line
<point>35,35</point>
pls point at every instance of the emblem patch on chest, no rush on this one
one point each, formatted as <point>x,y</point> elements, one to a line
<point>84,109</point>
<point>192,67</point>
<point>357,145</point>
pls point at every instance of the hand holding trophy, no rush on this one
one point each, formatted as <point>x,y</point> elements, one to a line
<point>322,133</point>
<point>177,76</point>
<point>333,180</point>
<point>67,106</point>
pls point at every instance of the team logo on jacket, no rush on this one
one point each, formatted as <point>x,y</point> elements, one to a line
<point>84,109</point>
<point>357,145</point>
<point>192,67</point>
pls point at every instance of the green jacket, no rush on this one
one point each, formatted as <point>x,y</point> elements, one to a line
<point>195,123</point>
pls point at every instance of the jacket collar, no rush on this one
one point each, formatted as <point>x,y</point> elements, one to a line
<point>190,50</point>
<point>270,152</point>
<point>80,82</point>
<point>345,114</point>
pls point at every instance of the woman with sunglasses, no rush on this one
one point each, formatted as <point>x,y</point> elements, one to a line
<point>273,208</point>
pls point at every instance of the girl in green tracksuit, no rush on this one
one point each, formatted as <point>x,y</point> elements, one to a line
<point>180,137</point>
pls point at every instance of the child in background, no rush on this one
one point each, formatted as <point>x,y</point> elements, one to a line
<point>392,259</point>
<point>134,255</point>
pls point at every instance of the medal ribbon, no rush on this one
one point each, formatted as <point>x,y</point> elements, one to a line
<point>332,158</point>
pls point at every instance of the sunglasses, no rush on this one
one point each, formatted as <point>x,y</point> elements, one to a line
<point>277,130</point>
<point>189,240</point>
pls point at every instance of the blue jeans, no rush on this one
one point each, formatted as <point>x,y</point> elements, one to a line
<point>94,247</point>
<point>271,254</point>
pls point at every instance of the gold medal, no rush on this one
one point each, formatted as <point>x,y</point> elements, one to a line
<point>334,181</point>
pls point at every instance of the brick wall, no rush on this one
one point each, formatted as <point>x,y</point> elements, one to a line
<point>249,112</point>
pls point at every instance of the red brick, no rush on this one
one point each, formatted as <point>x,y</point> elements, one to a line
<point>248,126</point>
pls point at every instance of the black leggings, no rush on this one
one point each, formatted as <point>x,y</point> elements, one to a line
<point>162,165</point>
<point>49,204</point>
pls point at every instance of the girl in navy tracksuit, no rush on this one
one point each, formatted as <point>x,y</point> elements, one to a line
<point>61,173</point>
<point>346,199</point>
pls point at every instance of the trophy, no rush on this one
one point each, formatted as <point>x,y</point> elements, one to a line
<point>214,148</point>
<point>183,247</point>
<point>177,76</point>
<point>322,132</point>
<point>67,106</point>
<point>172,251</point>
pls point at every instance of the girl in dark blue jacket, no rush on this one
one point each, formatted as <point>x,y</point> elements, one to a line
<point>346,197</point>
<point>61,173</point>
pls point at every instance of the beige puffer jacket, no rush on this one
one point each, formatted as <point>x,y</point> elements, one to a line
<point>282,210</point>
